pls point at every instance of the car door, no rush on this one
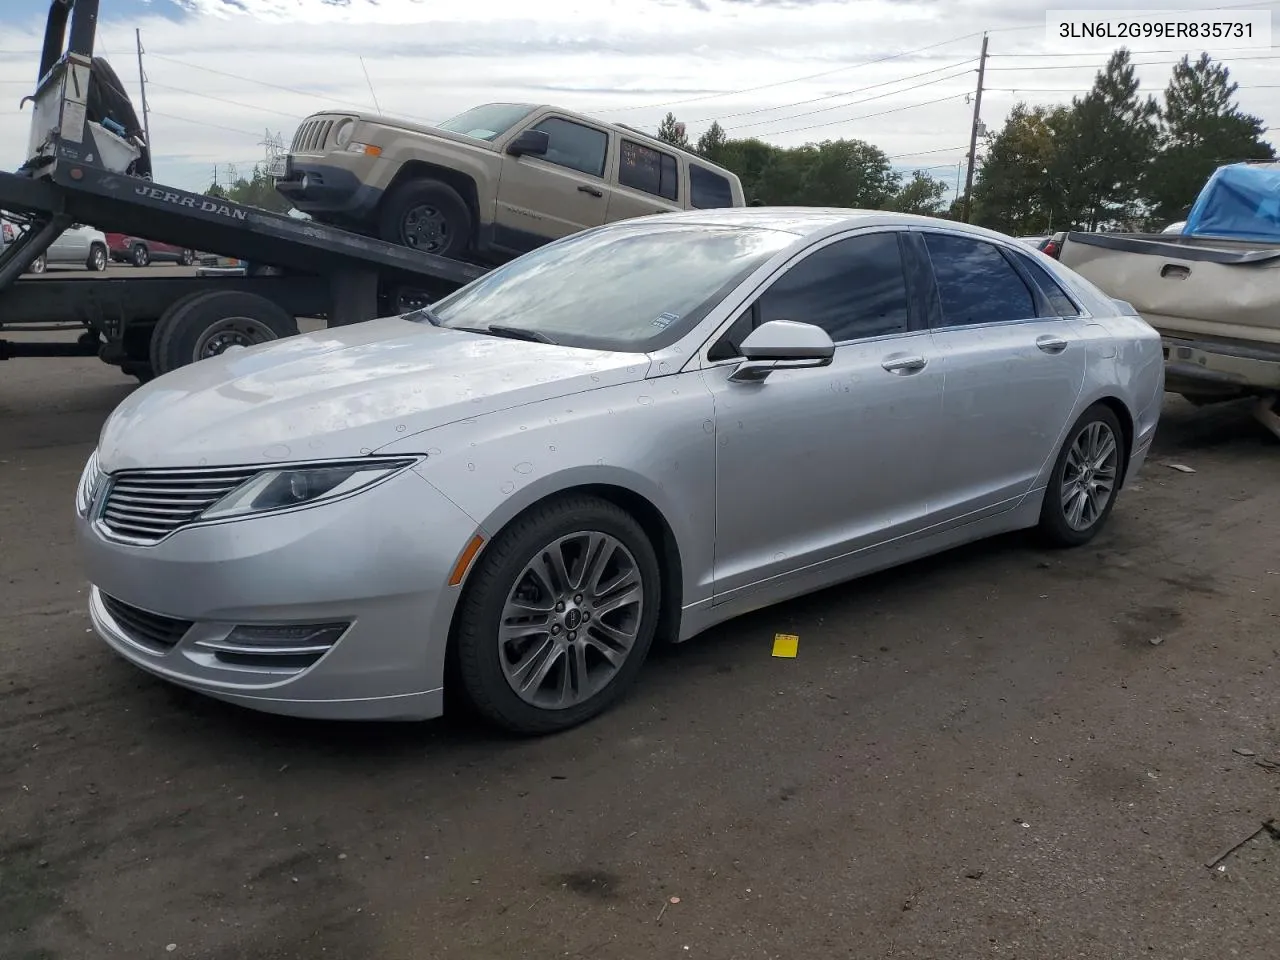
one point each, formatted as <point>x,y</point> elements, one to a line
<point>70,246</point>
<point>817,466</point>
<point>1013,375</point>
<point>544,198</point>
<point>647,182</point>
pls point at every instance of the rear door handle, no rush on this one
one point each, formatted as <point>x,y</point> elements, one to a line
<point>1051,344</point>
<point>904,365</point>
<point>591,190</point>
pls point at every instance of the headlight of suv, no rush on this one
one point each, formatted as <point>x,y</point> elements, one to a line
<point>342,135</point>
<point>91,478</point>
<point>290,487</point>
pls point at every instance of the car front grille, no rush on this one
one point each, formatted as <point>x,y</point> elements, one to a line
<point>311,136</point>
<point>146,629</point>
<point>148,505</point>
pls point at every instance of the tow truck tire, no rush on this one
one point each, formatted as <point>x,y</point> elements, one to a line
<point>139,255</point>
<point>204,324</point>
<point>98,258</point>
<point>426,215</point>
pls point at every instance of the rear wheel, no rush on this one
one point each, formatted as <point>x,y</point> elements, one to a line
<point>205,324</point>
<point>426,215</point>
<point>98,258</point>
<point>38,265</point>
<point>188,257</point>
<point>1085,480</point>
<point>558,616</point>
<point>139,256</point>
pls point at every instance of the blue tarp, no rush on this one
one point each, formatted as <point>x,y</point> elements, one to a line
<point>1241,200</point>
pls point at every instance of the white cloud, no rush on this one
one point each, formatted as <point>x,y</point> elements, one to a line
<point>628,60</point>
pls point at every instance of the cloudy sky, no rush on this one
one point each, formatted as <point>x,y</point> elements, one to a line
<point>223,73</point>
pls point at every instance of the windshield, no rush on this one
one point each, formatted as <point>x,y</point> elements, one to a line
<point>488,120</point>
<point>632,287</point>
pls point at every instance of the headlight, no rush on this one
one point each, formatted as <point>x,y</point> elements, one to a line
<point>90,481</point>
<point>291,487</point>
<point>343,134</point>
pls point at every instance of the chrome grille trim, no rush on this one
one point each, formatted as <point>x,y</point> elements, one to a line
<point>148,505</point>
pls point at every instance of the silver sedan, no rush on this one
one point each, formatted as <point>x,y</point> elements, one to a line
<point>633,433</point>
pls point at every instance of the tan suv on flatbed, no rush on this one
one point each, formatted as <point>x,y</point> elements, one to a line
<point>492,183</point>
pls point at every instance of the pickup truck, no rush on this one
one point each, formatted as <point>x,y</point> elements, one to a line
<point>1211,290</point>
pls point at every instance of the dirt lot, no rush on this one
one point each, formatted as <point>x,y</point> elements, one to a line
<point>984,755</point>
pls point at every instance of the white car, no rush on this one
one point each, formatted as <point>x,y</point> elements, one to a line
<point>77,244</point>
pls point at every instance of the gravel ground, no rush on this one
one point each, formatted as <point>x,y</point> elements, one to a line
<point>1000,752</point>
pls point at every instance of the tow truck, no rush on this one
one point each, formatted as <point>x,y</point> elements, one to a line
<point>88,162</point>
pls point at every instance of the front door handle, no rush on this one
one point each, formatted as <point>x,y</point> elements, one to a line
<point>904,365</point>
<point>1051,344</point>
<point>591,190</point>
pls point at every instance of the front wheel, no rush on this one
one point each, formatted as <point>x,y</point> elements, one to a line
<point>1085,480</point>
<point>188,257</point>
<point>558,616</point>
<point>428,216</point>
<point>38,265</point>
<point>140,255</point>
<point>97,261</point>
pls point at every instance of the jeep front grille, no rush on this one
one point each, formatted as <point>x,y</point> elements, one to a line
<point>311,136</point>
<point>148,505</point>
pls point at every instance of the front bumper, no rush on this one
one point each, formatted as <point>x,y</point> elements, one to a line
<point>328,190</point>
<point>378,562</point>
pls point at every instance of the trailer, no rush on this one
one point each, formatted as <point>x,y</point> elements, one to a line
<point>88,162</point>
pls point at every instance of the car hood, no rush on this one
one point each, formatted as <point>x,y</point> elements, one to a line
<point>400,123</point>
<point>340,393</point>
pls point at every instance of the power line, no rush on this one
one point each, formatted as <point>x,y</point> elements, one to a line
<point>882,113</point>
<point>202,123</point>
<point>781,83</point>
<point>926,153</point>
<point>1134,63</point>
<point>1141,53</point>
<point>234,103</point>
<point>831,96</point>
<point>262,83</point>
<point>841,106</point>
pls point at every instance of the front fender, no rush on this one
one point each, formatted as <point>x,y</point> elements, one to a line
<point>654,439</point>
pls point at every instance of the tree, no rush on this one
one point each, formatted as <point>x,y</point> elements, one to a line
<point>1012,191</point>
<point>257,191</point>
<point>1202,128</point>
<point>672,131</point>
<point>712,142</point>
<point>1103,145</point>
<point>921,194</point>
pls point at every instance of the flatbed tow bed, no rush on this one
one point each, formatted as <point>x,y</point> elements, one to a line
<point>79,171</point>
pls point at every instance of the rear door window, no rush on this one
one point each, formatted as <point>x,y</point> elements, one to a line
<point>976,284</point>
<point>652,171</point>
<point>1060,301</point>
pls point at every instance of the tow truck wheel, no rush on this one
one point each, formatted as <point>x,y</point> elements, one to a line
<point>426,215</point>
<point>97,261</point>
<point>140,256</point>
<point>206,324</point>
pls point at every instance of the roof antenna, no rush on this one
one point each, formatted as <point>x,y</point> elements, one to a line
<point>376,105</point>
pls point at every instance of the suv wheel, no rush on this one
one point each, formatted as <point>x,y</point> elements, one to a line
<point>97,261</point>
<point>38,265</point>
<point>141,256</point>
<point>188,257</point>
<point>426,215</point>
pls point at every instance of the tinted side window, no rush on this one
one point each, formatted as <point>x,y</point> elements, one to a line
<point>647,169</point>
<point>853,289</point>
<point>976,283</point>
<point>707,189</point>
<point>575,146</point>
<point>1060,301</point>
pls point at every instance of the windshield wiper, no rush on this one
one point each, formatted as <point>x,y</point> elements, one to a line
<point>423,313</point>
<point>514,333</point>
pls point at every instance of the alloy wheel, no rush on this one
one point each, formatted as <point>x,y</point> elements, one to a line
<point>1089,475</point>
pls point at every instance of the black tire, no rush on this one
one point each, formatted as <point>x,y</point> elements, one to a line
<point>139,255</point>
<point>450,216</point>
<point>39,264</point>
<point>1055,529</point>
<point>477,620</point>
<point>188,258</point>
<point>98,258</point>
<point>182,334</point>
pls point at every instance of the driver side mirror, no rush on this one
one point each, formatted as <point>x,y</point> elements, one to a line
<point>531,142</point>
<point>782,345</point>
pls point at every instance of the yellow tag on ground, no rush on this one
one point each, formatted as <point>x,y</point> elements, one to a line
<point>785,644</point>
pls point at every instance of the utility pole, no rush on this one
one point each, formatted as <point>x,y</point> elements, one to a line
<point>142,82</point>
<point>973,132</point>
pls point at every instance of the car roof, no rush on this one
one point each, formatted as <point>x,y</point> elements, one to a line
<point>809,221</point>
